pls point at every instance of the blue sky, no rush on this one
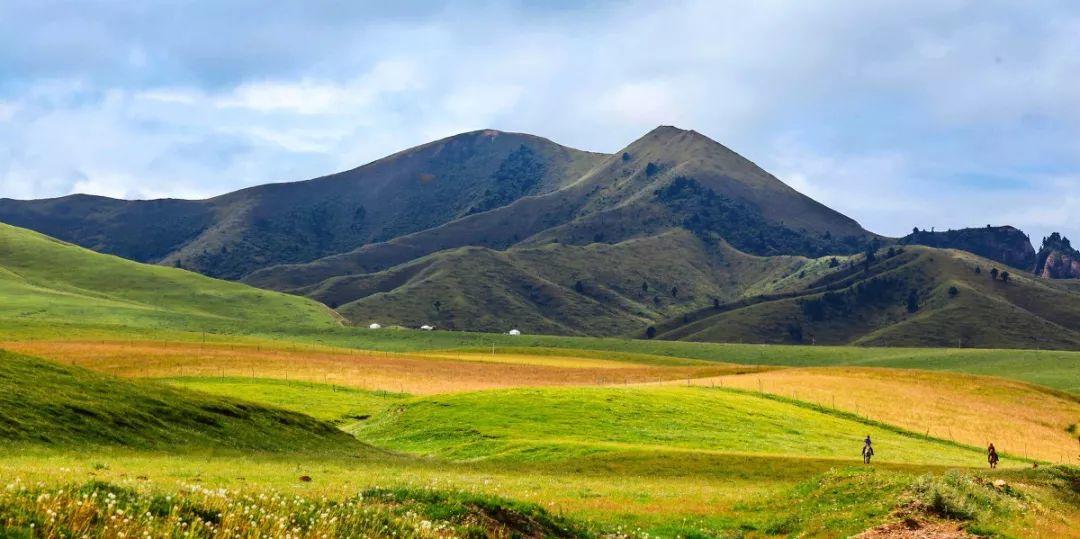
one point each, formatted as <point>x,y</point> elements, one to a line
<point>900,114</point>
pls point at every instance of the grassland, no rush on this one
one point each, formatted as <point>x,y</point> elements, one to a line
<point>669,461</point>
<point>562,424</point>
<point>45,281</point>
<point>400,373</point>
<point>338,404</point>
<point>1059,369</point>
<point>1020,418</point>
<point>60,406</point>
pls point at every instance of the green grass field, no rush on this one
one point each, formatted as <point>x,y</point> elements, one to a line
<point>341,405</point>
<point>562,424</point>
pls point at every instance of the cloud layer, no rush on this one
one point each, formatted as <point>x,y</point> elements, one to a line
<point>931,114</point>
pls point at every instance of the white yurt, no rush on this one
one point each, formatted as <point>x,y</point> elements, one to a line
<point>426,327</point>
<point>515,332</point>
<point>375,325</point>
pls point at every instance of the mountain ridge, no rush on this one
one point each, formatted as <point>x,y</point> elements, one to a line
<point>232,234</point>
<point>517,231</point>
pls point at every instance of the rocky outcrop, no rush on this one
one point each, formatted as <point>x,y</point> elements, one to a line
<point>1004,244</point>
<point>1057,259</point>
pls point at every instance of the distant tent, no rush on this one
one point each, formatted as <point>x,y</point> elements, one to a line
<point>426,327</point>
<point>375,326</point>
<point>515,332</point>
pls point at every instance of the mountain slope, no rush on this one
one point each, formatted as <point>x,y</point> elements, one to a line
<point>918,297</point>
<point>233,234</point>
<point>711,190</point>
<point>1004,244</point>
<point>47,403</point>
<point>43,279</point>
<point>596,289</point>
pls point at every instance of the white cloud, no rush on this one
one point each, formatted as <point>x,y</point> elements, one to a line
<point>874,109</point>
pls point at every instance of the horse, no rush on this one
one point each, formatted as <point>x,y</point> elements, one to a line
<point>867,452</point>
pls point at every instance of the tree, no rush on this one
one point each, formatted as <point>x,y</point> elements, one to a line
<point>833,262</point>
<point>993,274</point>
<point>579,287</point>
<point>716,303</point>
<point>650,332</point>
<point>1005,277</point>
<point>915,230</point>
<point>674,291</point>
<point>871,255</point>
<point>912,301</point>
<point>953,291</point>
<point>437,304</point>
<point>795,331</point>
<point>644,286</point>
<point>890,253</point>
<point>651,169</point>
<point>978,270</point>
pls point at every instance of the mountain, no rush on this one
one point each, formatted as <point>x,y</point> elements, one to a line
<point>1003,244</point>
<point>491,231</point>
<point>234,234</point>
<point>913,296</point>
<point>669,179</point>
<point>1057,259</point>
<point>46,280</point>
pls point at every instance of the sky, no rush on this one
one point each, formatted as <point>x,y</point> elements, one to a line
<point>943,114</point>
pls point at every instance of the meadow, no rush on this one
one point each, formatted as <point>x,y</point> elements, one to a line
<point>629,442</point>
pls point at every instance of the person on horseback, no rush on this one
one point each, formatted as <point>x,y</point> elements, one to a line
<point>867,450</point>
<point>992,456</point>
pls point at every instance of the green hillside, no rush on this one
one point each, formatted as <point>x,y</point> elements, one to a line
<point>46,280</point>
<point>919,297</point>
<point>545,424</point>
<point>597,289</point>
<point>45,403</point>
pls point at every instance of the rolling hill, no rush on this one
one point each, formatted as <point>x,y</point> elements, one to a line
<point>46,280</point>
<point>918,296</point>
<point>45,403</point>
<point>595,289</point>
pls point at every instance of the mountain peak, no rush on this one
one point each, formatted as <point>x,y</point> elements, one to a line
<point>670,132</point>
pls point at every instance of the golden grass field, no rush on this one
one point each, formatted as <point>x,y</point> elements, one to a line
<point>407,373</point>
<point>1019,418</point>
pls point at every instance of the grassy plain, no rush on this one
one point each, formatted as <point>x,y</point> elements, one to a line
<point>636,458</point>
